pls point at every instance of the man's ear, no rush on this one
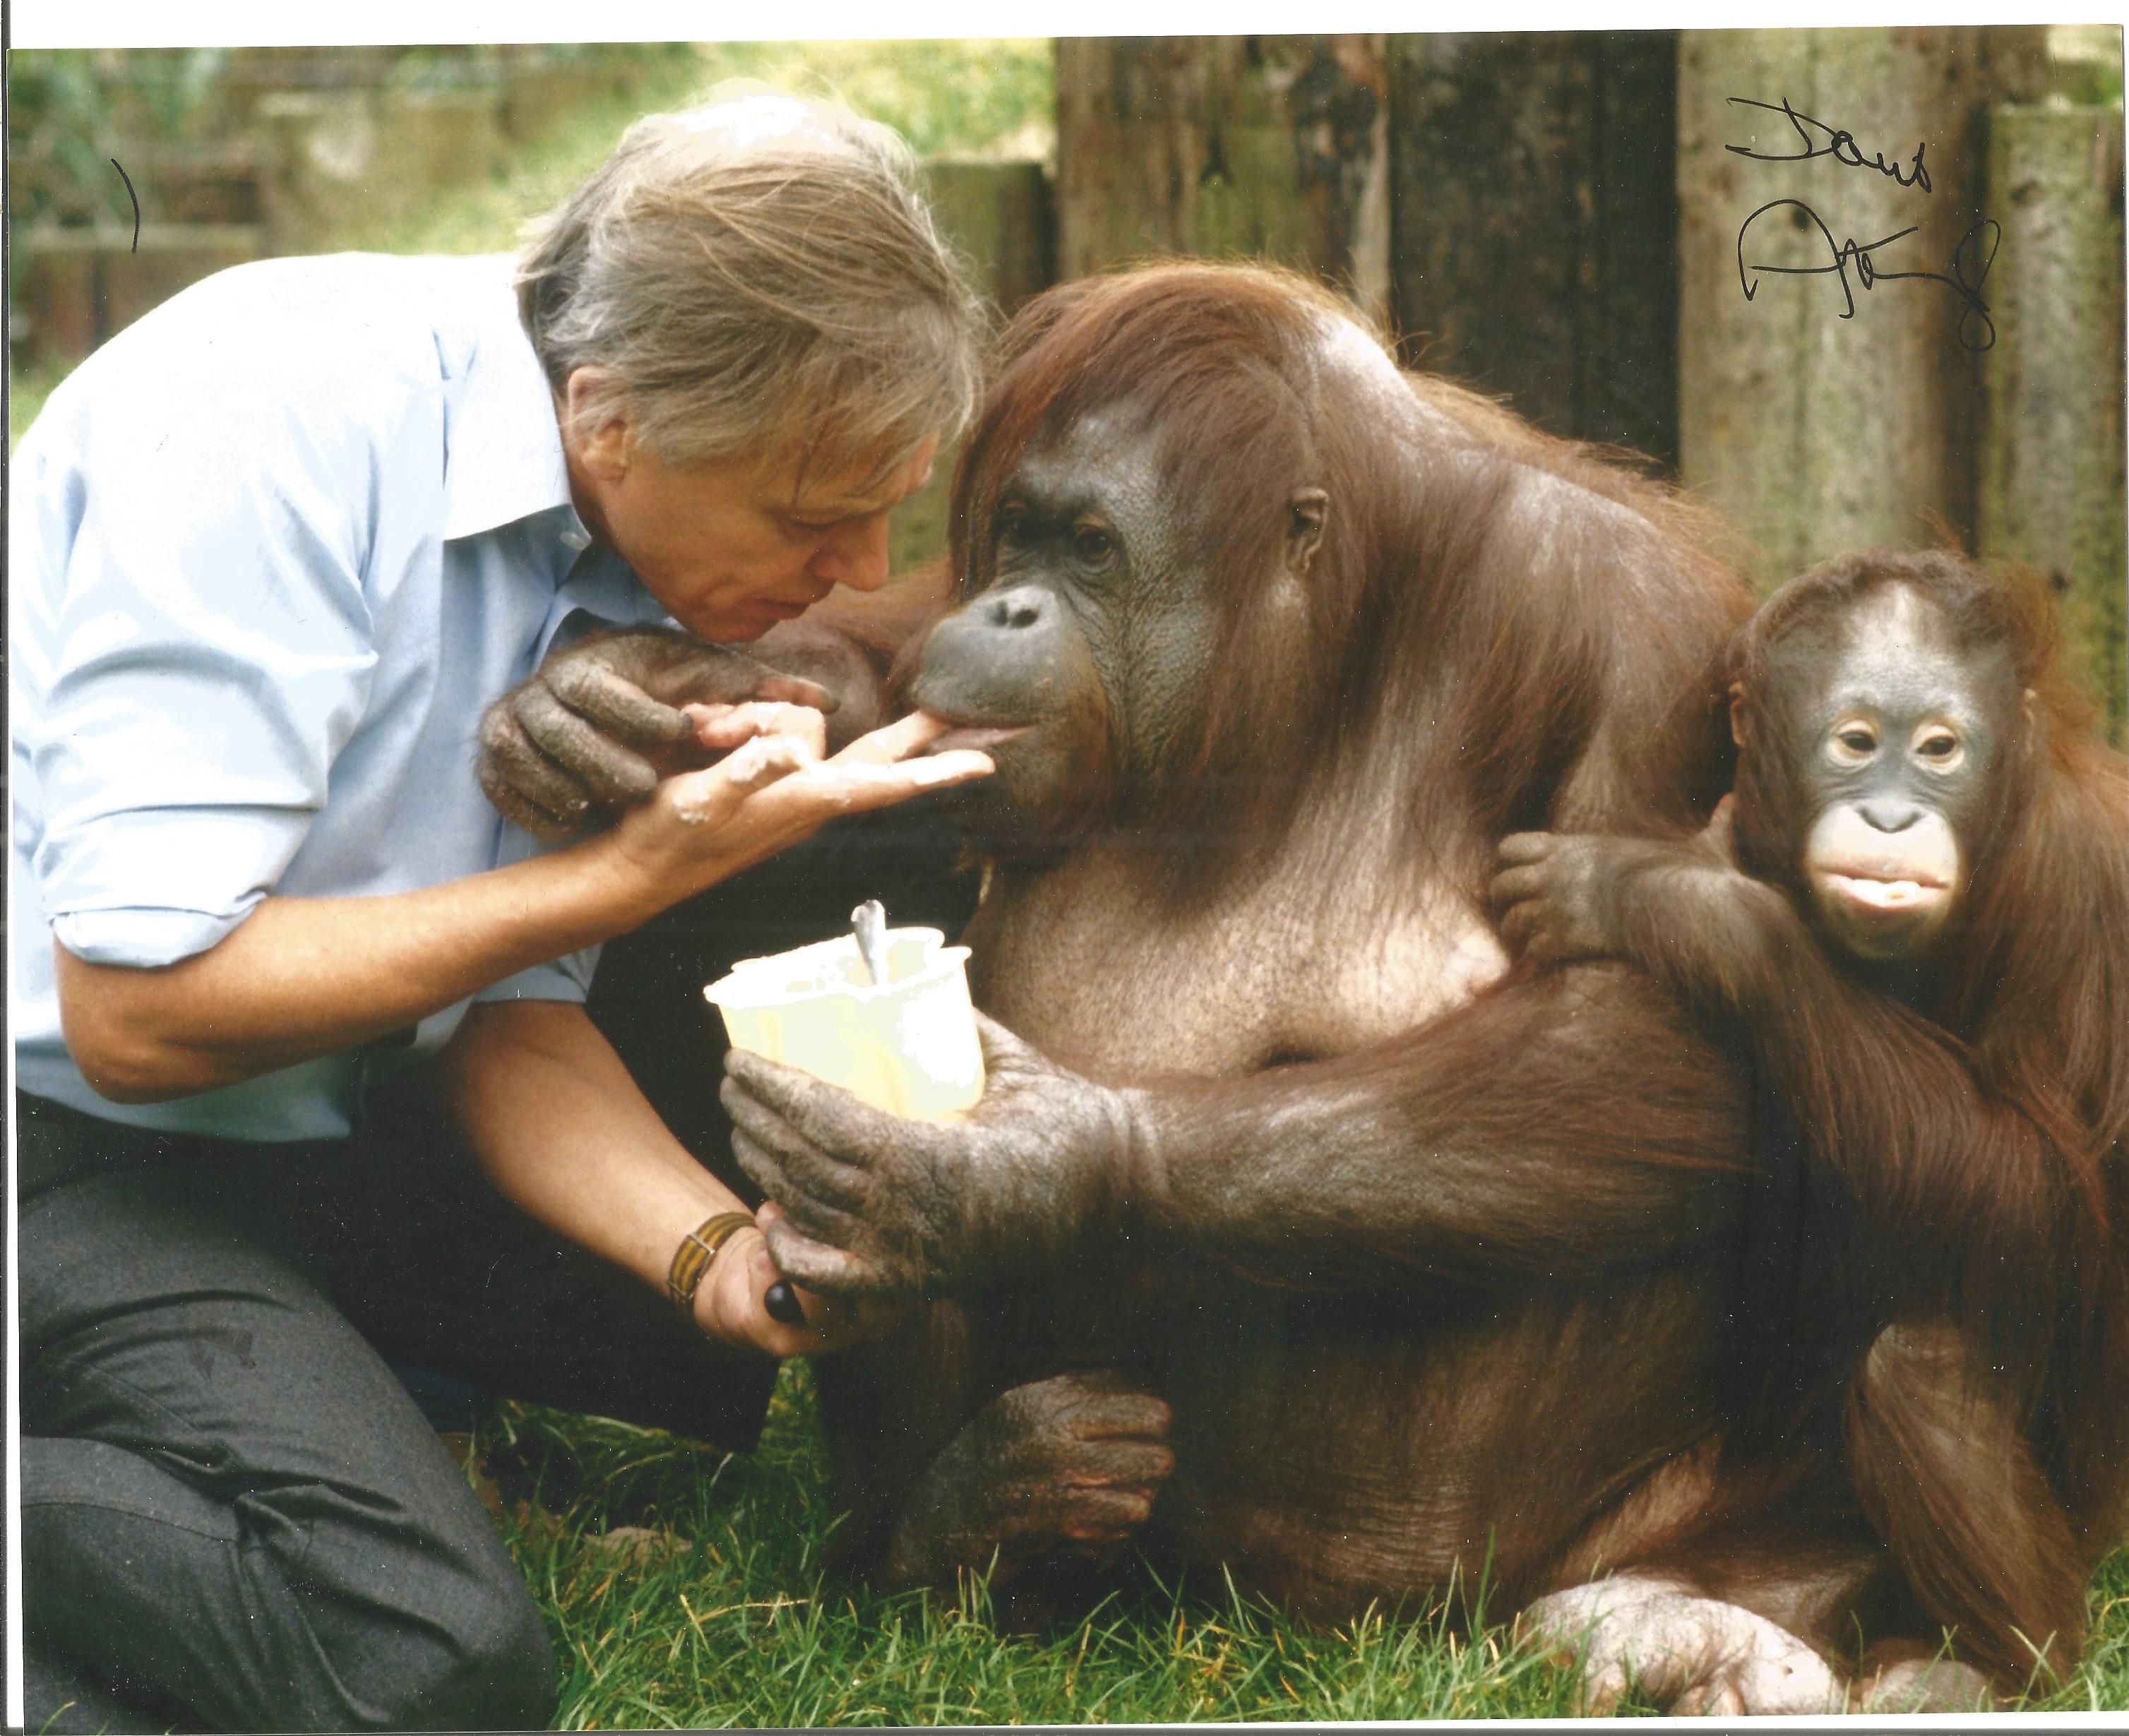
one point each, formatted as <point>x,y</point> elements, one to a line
<point>1737,712</point>
<point>601,440</point>
<point>1305,512</point>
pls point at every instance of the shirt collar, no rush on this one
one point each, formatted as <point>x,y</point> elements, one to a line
<point>502,458</point>
<point>599,592</point>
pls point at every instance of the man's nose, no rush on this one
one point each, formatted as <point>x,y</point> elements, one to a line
<point>854,554</point>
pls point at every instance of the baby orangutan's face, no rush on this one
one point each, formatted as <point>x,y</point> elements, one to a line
<point>1900,742</point>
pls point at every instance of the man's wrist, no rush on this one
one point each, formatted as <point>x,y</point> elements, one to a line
<point>635,882</point>
<point>709,1308</point>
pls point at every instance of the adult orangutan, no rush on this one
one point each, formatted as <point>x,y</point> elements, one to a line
<point>1347,1257</point>
<point>1922,933</point>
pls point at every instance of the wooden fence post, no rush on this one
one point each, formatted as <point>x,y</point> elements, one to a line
<point>1817,432</point>
<point>81,287</point>
<point>1533,233</point>
<point>1270,146</point>
<point>997,215</point>
<point>2051,489</point>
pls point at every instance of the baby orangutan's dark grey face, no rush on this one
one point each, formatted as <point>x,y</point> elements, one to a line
<point>1085,658</point>
<point>1900,740</point>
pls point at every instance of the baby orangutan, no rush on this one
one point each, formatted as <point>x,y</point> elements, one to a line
<point>1912,916</point>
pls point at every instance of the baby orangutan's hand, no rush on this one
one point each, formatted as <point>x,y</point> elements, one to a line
<point>1552,893</point>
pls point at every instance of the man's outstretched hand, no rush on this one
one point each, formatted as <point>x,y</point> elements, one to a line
<point>597,726</point>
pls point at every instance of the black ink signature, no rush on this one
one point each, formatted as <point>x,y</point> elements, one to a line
<point>1976,248</point>
<point>1838,144</point>
<point>134,197</point>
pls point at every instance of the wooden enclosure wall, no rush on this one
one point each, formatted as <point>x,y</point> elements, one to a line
<point>1555,218</point>
<point>1535,238</point>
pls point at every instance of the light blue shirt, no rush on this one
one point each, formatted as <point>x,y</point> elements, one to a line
<point>271,551</point>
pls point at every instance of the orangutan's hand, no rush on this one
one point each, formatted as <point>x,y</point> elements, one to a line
<point>873,1204</point>
<point>1551,894</point>
<point>596,726</point>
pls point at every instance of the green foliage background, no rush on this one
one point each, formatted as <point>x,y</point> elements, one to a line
<point>970,96</point>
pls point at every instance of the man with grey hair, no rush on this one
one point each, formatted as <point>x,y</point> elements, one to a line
<point>273,548</point>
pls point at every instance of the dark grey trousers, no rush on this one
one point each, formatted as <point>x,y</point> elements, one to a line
<point>233,1516</point>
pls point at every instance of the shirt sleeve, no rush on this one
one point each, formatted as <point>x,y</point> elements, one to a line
<point>211,649</point>
<point>566,979</point>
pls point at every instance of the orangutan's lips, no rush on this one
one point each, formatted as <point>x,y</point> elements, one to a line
<point>1875,893</point>
<point>979,735</point>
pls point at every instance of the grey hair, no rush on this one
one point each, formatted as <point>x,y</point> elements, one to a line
<point>758,277</point>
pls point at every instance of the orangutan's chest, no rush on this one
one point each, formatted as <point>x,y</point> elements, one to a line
<point>1082,965</point>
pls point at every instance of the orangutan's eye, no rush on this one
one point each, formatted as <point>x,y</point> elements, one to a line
<point>1093,545</point>
<point>1013,526</point>
<point>1939,747</point>
<point>1852,742</point>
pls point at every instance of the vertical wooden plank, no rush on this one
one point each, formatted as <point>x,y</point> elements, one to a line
<point>1743,374</point>
<point>997,216</point>
<point>1271,147</point>
<point>1816,431</point>
<point>1492,202</point>
<point>1533,224</point>
<point>1131,147</point>
<point>2052,486</point>
<point>1626,367</point>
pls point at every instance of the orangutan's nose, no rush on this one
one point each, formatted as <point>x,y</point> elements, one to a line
<point>1889,817</point>
<point>1014,610</point>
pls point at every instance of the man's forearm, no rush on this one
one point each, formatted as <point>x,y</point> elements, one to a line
<point>562,1132</point>
<point>560,1129</point>
<point>306,976</point>
<point>300,977</point>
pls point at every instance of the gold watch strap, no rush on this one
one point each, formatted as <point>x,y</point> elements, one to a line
<point>692,1258</point>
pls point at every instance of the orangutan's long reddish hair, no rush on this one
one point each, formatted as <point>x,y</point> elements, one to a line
<point>1444,549</point>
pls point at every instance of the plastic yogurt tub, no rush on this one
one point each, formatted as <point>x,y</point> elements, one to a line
<point>907,1046</point>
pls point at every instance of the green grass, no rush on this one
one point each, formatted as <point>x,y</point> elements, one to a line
<point>737,1622</point>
